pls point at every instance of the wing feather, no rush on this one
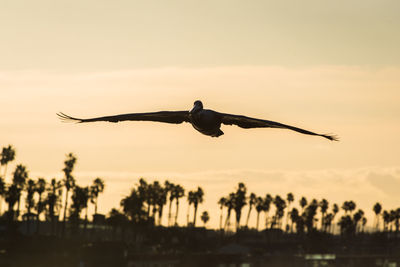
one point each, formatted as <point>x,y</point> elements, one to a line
<point>161,116</point>
<point>247,122</point>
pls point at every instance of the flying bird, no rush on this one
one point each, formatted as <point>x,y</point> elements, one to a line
<point>206,121</point>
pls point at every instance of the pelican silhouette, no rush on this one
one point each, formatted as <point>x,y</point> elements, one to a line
<point>205,121</point>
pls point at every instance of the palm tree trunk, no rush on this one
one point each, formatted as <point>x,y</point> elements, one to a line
<point>195,215</point>
<point>38,219</point>
<point>227,218</point>
<point>169,213</point>
<point>248,217</point>
<point>95,207</point>
<point>258,220</point>
<point>65,213</point>
<point>176,214</point>
<point>187,215</point>
<point>287,217</point>
<point>220,220</point>
<point>18,208</point>
<point>86,219</point>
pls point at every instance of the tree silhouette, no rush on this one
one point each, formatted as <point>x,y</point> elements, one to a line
<point>260,204</point>
<point>252,202</point>
<point>12,195</point>
<point>96,188</point>
<point>20,176</point>
<point>265,207</point>
<point>280,206</point>
<point>168,188</point>
<point>40,206</point>
<point>205,217</point>
<point>229,205</point>
<point>349,206</point>
<point>294,217</point>
<point>2,193</point>
<point>377,210</point>
<point>161,200</point>
<point>190,198</point>
<point>68,182</point>
<point>53,201</point>
<point>80,197</point>
<point>177,192</point>
<point>303,203</point>
<point>323,205</point>
<point>222,204</point>
<point>7,155</point>
<point>289,199</point>
<point>198,198</point>
<point>357,219</point>
<point>309,214</point>
<point>133,207</point>
<point>30,201</point>
<point>386,219</point>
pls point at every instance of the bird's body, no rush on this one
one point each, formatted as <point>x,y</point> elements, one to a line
<point>206,121</point>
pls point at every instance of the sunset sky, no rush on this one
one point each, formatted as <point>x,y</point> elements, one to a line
<point>326,66</point>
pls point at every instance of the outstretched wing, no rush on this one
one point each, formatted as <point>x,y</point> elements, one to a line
<point>161,116</point>
<point>247,122</point>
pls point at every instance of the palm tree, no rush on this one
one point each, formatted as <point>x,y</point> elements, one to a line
<point>198,198</point>
<point>69,183</point>
<point>80,198</point>
<point>20,176</point>
<point>252,202</point>
<point>30,202</point>
<point>260,204</point>
<point>53,201</point>
<point>40,188</point>
<point>2,192</point>
<point>239,202</point>
<point>294,216</point>
<point>280,206</point>
<point>364,222</point>
<point>349,206</point>
<point>229,205</point>
<point>191,199</point>
<point>303,203</point>
<point>397,219</point>
<point>266,205</point>
<point>160,202</point>
<point>178,191</point>
<point>377,209</point>
<point>145,194</point>
<point>386,219</point>
<point>222,204</point>
<point>168,188</point>
<point>205,217</point>
<point>289,199</point>
<point>132,206</point>
<point>309,214</point>
<point>7,155</point>
<point>335,210</point>
<point>11,196</point>
<point>96,188</point>
<point>324,204</point>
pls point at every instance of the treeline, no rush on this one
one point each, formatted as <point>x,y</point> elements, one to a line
<point>42,197</point>
<point>148,203</point>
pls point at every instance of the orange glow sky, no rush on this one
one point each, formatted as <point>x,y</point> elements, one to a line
<point>324,66</point>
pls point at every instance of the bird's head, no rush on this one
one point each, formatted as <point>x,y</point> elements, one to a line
<point>197,106</point>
